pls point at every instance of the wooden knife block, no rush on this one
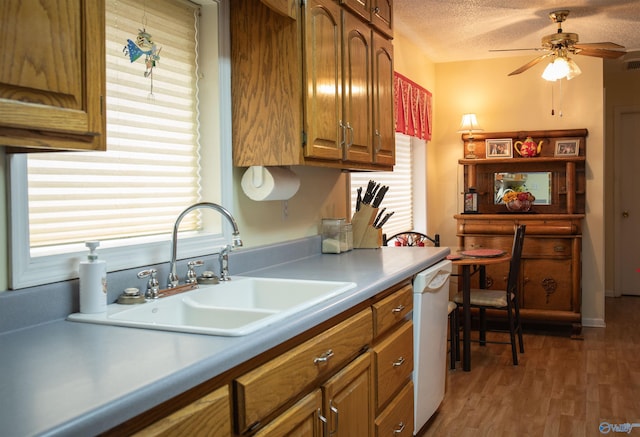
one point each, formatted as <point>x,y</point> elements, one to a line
<point>365,236</point>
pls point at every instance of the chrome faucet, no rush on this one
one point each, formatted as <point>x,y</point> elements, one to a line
<point>236,241</point>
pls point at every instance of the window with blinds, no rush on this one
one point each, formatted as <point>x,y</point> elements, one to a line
<point>150,171</point>
<point>399,198</point>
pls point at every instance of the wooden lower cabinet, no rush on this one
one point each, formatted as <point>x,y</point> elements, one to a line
<point>303,419</point>
<point>348,400</point>
<point>550,270</point>
<point>397,419</point>
<point>208,416</point>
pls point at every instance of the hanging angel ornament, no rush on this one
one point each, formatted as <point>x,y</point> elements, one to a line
<point>143,45</point>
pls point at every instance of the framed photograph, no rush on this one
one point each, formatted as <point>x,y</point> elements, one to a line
<point>568,147</point>
<point>500,148</point>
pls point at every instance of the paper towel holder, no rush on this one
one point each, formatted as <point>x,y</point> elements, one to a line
<point>281,182</point>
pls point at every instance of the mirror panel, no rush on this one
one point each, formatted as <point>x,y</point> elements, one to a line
<point>537,183</point>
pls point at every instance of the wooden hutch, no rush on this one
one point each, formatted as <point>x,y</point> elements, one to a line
<point>550,274</point>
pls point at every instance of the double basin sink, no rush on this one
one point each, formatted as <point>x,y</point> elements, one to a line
<point>234,308</point>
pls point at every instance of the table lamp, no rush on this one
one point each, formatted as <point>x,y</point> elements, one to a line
<point>469,124</point>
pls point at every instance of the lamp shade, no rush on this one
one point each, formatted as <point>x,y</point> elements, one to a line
<point>469,124</point>
<point>561,67</point>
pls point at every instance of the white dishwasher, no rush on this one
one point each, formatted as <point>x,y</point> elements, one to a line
<point>430,301</point>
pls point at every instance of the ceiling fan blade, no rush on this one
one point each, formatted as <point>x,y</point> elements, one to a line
<point>514,50</point>
<point>599,45</point>
<point>605,54</point>
<point>530,64</point>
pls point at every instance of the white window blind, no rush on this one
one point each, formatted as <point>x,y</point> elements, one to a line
<point>399,198</point>
<point>150,172</point>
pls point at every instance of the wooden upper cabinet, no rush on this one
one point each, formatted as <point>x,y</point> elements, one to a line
<point>377,12</point>
<point>52,75</point>
<point>382,16</point>
<point>303,89</point>
<point>356,120</point>
<point>384,142</point>
<point>323,78</point>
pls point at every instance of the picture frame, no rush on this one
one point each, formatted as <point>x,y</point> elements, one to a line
<point>499,148</point>
<point>567,147</point>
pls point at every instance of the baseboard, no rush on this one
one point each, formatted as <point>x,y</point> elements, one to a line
<point>593,323</point>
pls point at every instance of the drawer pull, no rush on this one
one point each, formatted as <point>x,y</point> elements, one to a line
<point>324,357</point>
<point>558,248</point>
<point>398,309</point>
<point>399,362</point>
<point>399,429</point>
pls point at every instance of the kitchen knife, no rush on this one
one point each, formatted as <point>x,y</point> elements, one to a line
<point>368,195</point>
<point>379,196</point>
<point>359,199</point>
<point>384,220</point>
<point>378,217</point>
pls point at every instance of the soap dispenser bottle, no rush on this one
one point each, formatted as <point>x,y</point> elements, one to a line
<point>93,282</point>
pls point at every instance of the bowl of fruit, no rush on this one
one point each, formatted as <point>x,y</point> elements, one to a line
<point>518,201</point>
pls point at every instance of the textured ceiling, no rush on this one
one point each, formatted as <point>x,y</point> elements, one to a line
<point>456,30</point>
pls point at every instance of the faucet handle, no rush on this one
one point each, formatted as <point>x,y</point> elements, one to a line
<point>192,277</point>
<point>153,286</point>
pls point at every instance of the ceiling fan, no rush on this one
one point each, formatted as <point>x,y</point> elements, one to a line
<point>560,44</point>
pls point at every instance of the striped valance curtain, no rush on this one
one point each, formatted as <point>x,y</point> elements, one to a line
<point>413,108</point>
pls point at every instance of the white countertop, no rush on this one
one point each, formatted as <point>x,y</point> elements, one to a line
<point>69,378</point>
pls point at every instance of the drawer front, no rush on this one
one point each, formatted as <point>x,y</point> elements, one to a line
<point>478,242</point>
<point>264,389</point>
<point>546,247</point>
<point>392,310</point>
<point>547,285</point>
<point>209,415</point>
<point>397,419</point>
<point>393,362</point>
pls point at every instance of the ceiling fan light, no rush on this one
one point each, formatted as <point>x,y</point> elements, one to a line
<point>574,70</point>
<point>557,69</point>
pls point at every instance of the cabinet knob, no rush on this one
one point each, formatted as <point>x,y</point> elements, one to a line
<point>625,214</point>
<point>375,10</point>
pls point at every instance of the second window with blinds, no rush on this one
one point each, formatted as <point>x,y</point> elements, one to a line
<point>406,184</point>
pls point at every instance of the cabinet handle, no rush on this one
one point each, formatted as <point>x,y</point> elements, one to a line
<point>398,309</point>
<point>379,138</point>
<point>343,140</point>
<point>350,128</point>
<point>399,429</point>
<point>376,10</point>
<point>558,248</point>
<point>324,357</point>
<point>325,423</point>
<point>333,410</point>
<point>399,362</point>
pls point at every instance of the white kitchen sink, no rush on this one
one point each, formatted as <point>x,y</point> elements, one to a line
<point>238,307</point>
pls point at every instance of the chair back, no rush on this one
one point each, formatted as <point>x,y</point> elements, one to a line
<point>411,238</point>
<point>516,255</point>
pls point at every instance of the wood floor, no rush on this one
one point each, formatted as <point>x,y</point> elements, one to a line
<point>562,387</point>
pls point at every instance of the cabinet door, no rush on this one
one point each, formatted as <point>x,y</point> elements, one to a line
<point>382,16</point>
<point>52,74</point>
<point>547,284</point>
<point>360,7</point>
<point>301,420</point>
<point>323,79</point>
<point>348,400</point>
<point>384,139</point>
<point>209,416</point>
<point>357,89</point>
